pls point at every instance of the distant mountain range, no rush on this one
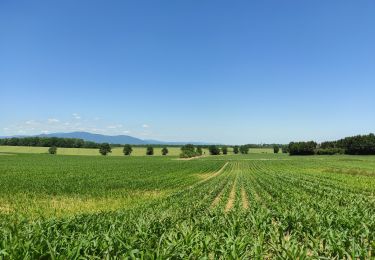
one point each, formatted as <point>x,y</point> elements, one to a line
<point>112,139</point>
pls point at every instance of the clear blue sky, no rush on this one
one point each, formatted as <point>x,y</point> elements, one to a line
<point>219,71</point>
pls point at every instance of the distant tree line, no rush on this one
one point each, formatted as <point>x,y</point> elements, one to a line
<point>354,145</point>
<point>302,148</point>
<point>49,142</point>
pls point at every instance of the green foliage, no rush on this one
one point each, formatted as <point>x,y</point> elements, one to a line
<point>224,149</point>
<point>189,151</point>
<point>214,150</point>
<point>330,151</point>
<point>236,149</point>
<point>149,150</point>
<point>164,151</point>
<point>276,149</point>
<point>48,142</point>
<point>358,145</point>
<point>52,150</point>
<point>302,148</point>
<point>199,150</point>
<point>285,149</point>
<point>105,148</point>
<point>127,149</point>
<point>244,149</point>
<point>355,145</point>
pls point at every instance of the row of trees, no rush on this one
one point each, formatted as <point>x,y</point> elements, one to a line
<point>189,150</point>
<point>105,148</point>
<point>49,142</point>
<point>215,150</point>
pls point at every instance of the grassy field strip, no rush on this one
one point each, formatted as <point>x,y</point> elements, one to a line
<point>189,159</point>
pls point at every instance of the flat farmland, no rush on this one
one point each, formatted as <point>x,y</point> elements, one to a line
<point>116,151</point>
<point>234,206</point>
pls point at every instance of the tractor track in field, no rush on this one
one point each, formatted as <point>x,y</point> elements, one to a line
<point>191,158</point>
<point>232,197</point>
<point>245,200</point>
<point>217,199</point>
<point>214,174</point>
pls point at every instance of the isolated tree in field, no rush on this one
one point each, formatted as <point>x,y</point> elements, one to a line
<point>105,148</point>
<point>236,149</point>
<point>214,150</point>
<point>276,149</point>
<point>150,150</point>
<point>199,150</point>
<point>244,149</point>
<point>188,151</point>
<point>164,151</point>
<point>127,149</point>
<point>188,147</point>
<point>52,150</point>
<point>224,149</point>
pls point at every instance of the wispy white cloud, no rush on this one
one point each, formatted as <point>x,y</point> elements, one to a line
<point>145,126</point>
<point>76,116</point>
<point>53,120</point>
<point>30,122</point>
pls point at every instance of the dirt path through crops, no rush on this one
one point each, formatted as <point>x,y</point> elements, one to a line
<point>189,159</point>
<point>210,176</point>
<point>232,197</point>
<point>215,173</point>
<point>217,199</point>
<point>245,201</point>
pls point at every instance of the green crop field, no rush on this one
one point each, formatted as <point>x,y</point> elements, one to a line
<point>235,206</point>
